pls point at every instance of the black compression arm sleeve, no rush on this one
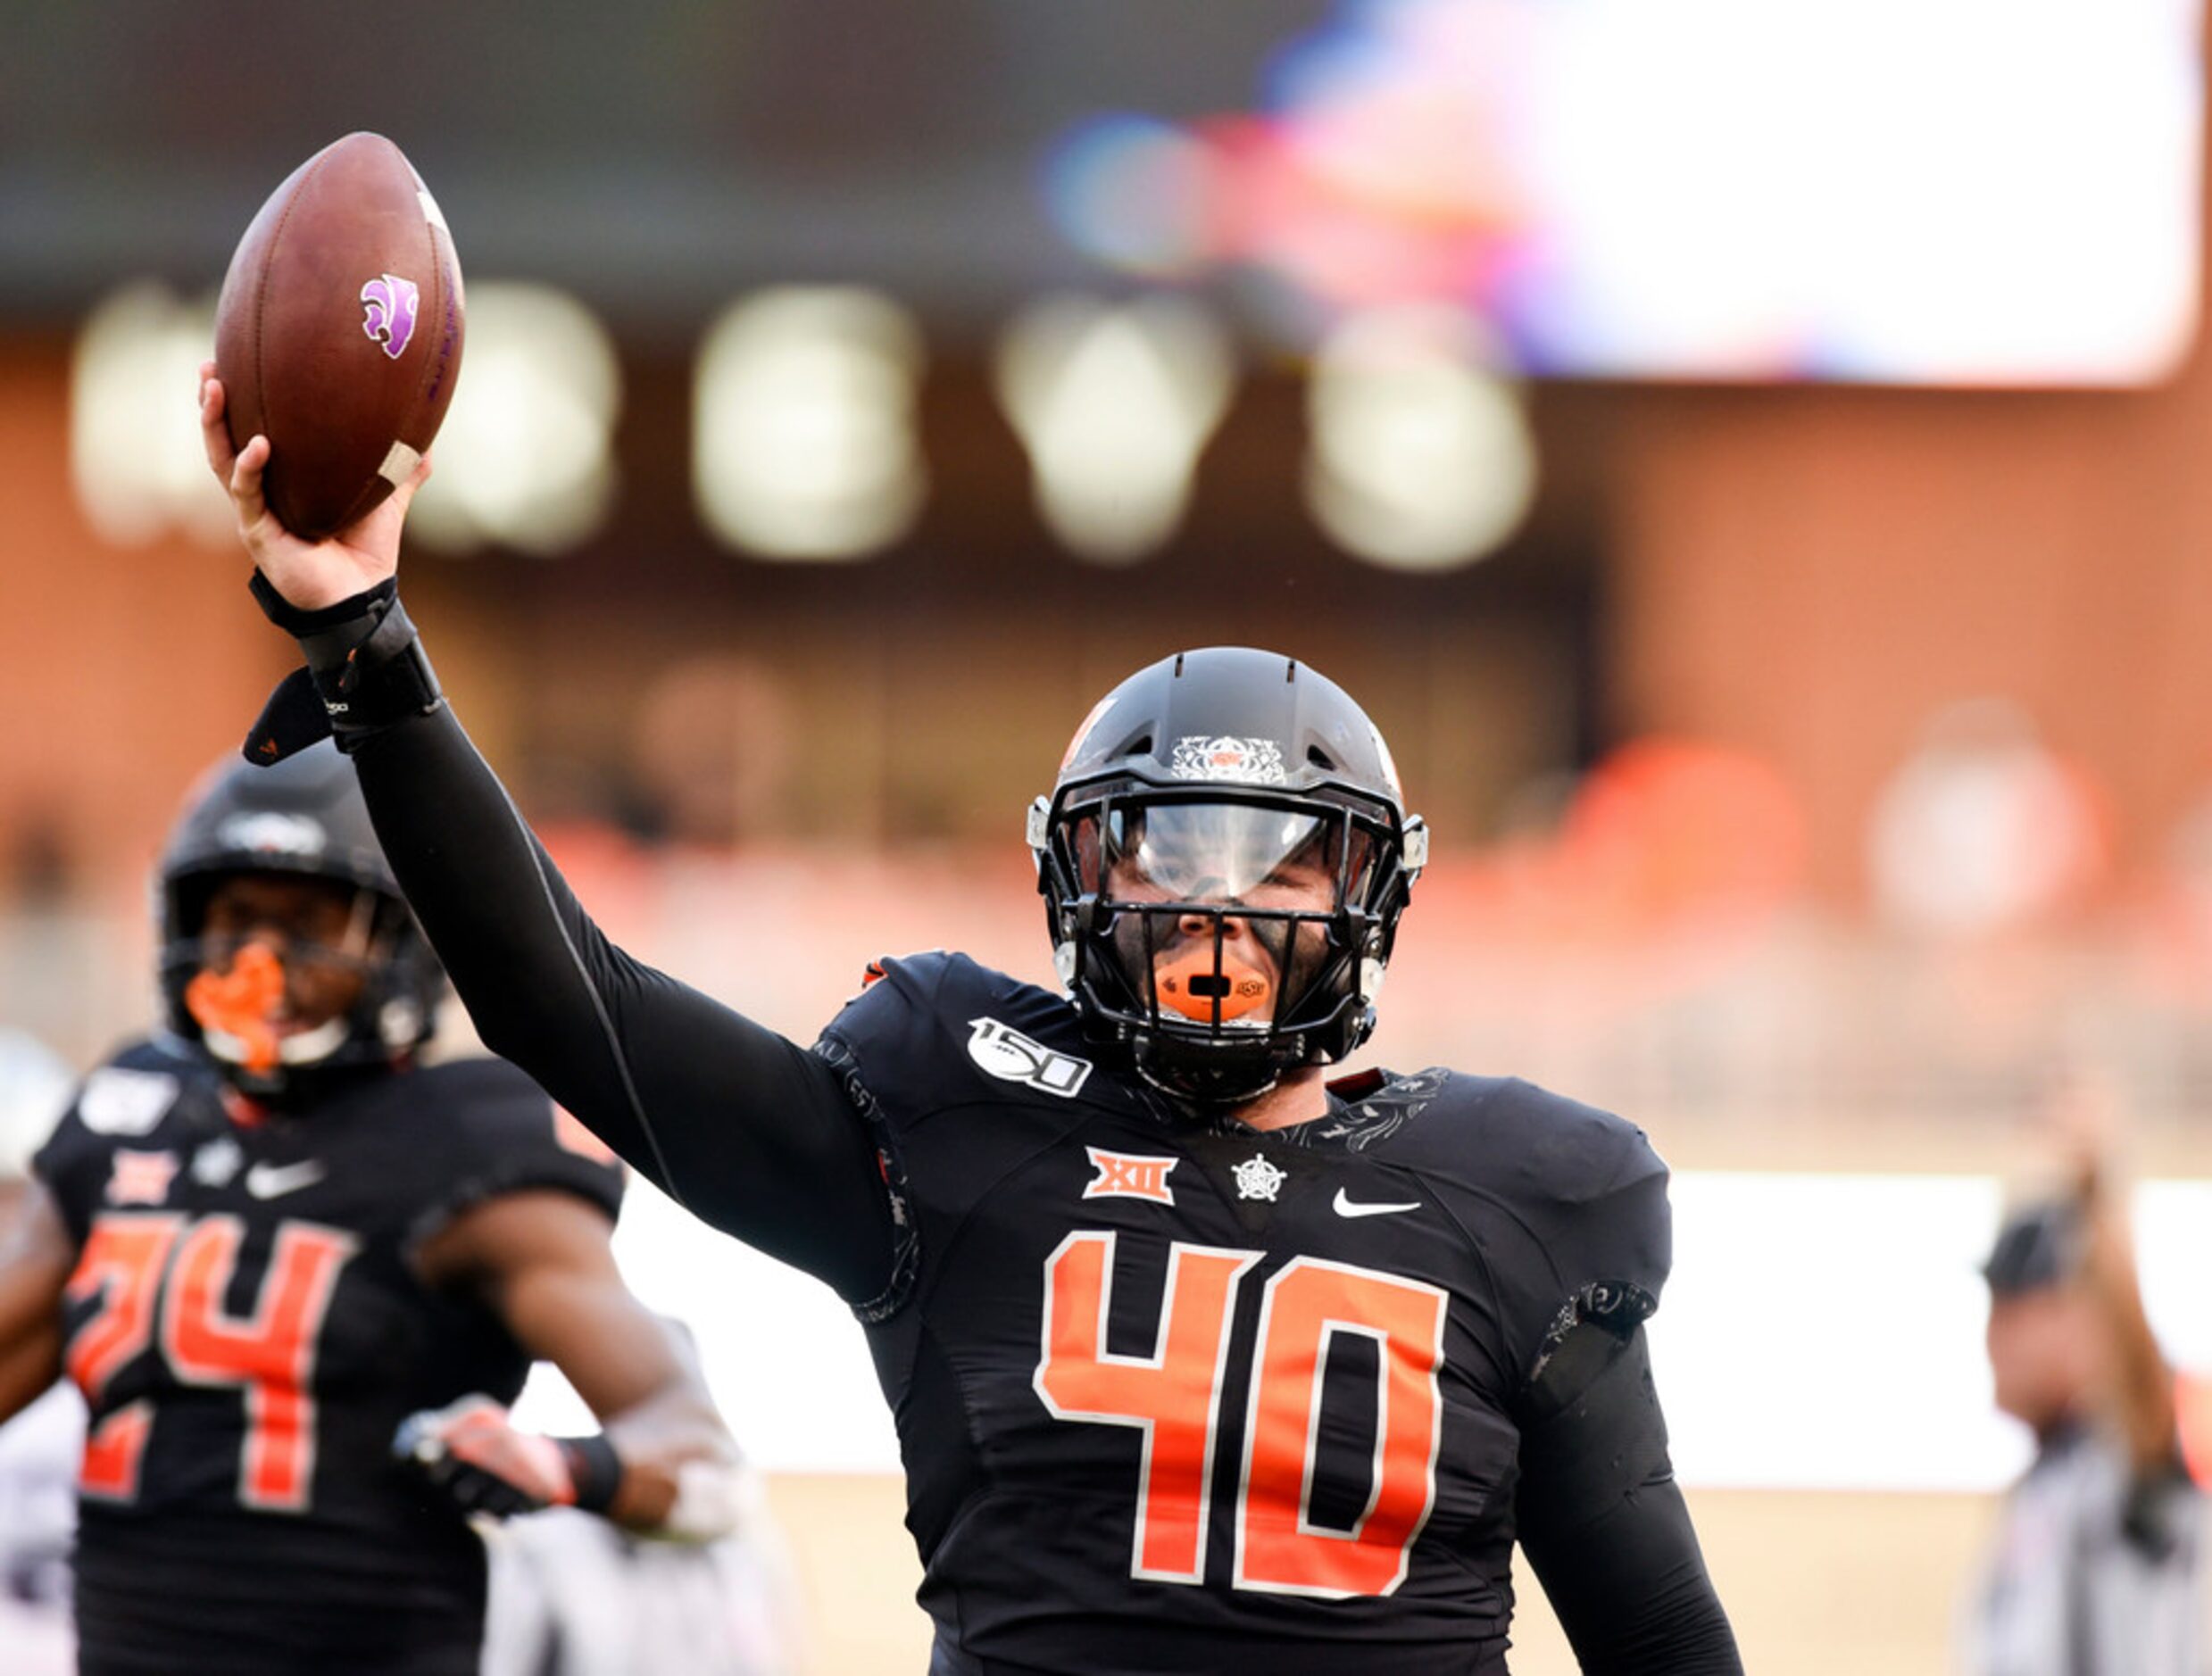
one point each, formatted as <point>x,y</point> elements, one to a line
<point>742,1126</point>
<point>1604,1525</point>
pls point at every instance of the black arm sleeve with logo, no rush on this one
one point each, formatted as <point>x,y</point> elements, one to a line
<point>742,1126</point>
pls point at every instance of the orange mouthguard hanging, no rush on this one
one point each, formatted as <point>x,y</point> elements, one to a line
<point>241,1003</point>
<point>1188,985</point>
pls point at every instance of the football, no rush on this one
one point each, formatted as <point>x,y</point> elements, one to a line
<point>339,332</point>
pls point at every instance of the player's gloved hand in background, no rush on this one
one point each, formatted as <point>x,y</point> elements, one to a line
<point>476,1456</point>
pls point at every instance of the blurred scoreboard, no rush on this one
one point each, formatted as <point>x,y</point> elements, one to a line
<point>1961,192</point>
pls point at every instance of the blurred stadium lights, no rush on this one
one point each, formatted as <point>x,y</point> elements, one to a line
<point>1421,458</point>
<point>525,457</point>
<point>804,443</point>
<point>1114,403</point>
<point>135,451</point>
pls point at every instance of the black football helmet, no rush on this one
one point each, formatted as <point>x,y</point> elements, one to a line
<point>1224,859</point>
<point>303,816</point>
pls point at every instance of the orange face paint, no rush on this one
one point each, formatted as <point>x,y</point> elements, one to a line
<point>242,1003</point>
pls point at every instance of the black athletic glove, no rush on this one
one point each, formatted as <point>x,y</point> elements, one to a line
<point>472,1453</point>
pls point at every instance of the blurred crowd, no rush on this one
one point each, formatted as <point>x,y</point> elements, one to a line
<point>1644,929</point>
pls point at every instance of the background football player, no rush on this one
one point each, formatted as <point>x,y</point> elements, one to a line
<point>263,1239</point>
<point>1198,1362</point>
<point>575,1595</point>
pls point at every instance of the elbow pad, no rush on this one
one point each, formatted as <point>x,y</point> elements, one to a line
<point>1591,1432</point>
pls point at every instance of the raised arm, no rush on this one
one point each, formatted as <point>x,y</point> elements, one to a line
<point>744,1127</point>
<point>2088,1122</point>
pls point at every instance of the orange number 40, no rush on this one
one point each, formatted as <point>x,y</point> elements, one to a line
<point>1174,1397</point>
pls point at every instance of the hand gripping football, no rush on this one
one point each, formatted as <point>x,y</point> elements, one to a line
<point>338,333</point>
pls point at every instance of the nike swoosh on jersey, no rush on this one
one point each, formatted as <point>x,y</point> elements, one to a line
<point>1344,1206</point>
<point>273,1181</point>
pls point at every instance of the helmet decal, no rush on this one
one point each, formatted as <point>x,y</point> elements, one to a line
<point>273,832</point>
<point>1246,761</point>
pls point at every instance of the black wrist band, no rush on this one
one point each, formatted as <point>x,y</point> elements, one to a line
<point>300,624</point>
<point>595,1468</point>
<point>366,670</point>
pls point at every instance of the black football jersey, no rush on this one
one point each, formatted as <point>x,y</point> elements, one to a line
<point>248,1332</point>
<point>1177,1399</point>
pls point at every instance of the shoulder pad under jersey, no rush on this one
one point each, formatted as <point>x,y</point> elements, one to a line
<point>937,1029</point>
<point>138,1101</point>
<point>1577,1204</point>
<point>493,1131</point>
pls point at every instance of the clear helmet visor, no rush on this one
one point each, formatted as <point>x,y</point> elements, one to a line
<point>1220,911</point>
<point>1225,855</point>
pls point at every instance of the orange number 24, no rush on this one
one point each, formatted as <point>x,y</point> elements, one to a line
<point>142,1267</point>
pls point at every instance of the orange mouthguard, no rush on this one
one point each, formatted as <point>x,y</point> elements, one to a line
<point>241,1003</point>
<point>1187,985</point>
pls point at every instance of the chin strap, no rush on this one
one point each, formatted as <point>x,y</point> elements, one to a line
<point>365,671</point>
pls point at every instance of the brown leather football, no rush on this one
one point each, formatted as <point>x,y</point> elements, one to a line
<point>339,332</point>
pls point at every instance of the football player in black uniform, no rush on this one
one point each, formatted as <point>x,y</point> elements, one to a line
<point>1199,1362</point>
<point>262,1240</point>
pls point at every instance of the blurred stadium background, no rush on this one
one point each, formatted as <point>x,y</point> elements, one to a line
<point>1747,459</point>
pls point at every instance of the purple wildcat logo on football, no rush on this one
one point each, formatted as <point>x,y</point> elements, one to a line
<point>389,304</point>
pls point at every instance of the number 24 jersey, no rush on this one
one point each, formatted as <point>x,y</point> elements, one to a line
<point>247,1327</point>
<point>1209,1396</point>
